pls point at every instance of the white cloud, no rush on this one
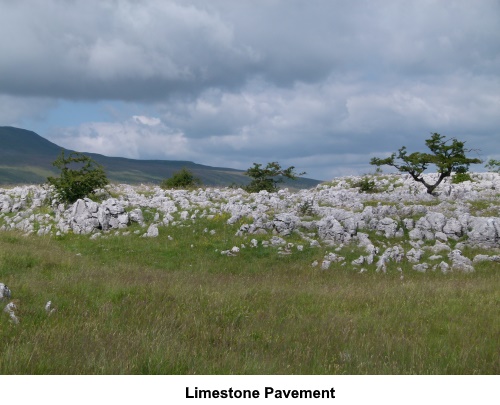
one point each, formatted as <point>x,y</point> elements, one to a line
<point>138,137</point>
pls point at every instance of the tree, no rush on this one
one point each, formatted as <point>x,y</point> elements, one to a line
<point>80,176</point>
<point>493,165</point>
<point>269,177</point>
<point>183,178</point>
<point>448,155</point>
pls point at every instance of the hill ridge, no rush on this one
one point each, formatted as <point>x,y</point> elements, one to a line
<point>26,158</point>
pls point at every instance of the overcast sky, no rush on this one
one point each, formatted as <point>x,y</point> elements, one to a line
<point>323,85</point>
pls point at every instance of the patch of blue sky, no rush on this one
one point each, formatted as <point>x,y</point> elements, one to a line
<point>71,114</point>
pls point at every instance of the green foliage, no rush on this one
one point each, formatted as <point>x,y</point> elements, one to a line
<point>448,155</point>
<point>461,176</point>
<point>184,178</point>
<point>306,208</point>
<point>80,176</point>
<point>269,177</point>
<point>493,165</point>
<point>366,185</point>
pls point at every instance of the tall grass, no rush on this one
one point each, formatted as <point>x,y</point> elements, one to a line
<point>131,305</point>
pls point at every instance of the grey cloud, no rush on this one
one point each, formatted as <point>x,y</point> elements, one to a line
<point>327,126</point>
<point>150,50</point>
<point>15,110</point>
<point>323,84</point>
<point>116,50</point>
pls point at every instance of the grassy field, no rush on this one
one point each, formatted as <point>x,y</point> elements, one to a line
<point>131,305</point>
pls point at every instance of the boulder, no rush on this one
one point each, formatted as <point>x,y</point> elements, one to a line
<point>285,223</point>
<point>152,231</point>
<point>453,228</point>
<point>414,255</point>
<point>388,227</point>
<point>5,291</point>
<point>486,258</point>
<point>483,230</point>
<point>136,216</point>
<point>331,229</point>
<point>459,262</point>
<point>436,221</point>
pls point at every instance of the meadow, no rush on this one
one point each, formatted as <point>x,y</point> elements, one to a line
<point>175,305</point>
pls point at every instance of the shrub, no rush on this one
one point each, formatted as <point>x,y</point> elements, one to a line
<point>366,185</point>
<point>80,176</point>
<point>183,178</point>
<point>306,208</point>
<point>493,165</point>
<point>461,176</point>
<point>269,177</point>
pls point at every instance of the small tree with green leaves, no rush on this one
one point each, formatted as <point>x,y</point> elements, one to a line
<point>80,176</point>
<point>448,155</point>
<point>493,165</point>
<point>269,177</point>
<point>183,178</point>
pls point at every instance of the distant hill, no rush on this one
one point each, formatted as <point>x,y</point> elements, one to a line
<point>26,158</point>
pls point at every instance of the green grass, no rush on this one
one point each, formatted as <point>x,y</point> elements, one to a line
<point>131,305</point>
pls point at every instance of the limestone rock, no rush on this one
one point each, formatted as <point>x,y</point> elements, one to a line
<point>388,227</point>
<point>486,258</point>
<point>5,291</point>
<point>152,231</point>
<point>459,262</point>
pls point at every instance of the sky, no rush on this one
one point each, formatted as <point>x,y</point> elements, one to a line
<point>322,85</point>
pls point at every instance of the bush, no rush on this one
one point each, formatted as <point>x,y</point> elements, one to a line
<point>366,185</point>
<point>80,176</point>
<point>461,176</point>
<point>269,177</point>
<point>493,165</point>
<point>183,178</point>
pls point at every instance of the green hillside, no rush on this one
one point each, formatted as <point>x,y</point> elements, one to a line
<point>26,158</point>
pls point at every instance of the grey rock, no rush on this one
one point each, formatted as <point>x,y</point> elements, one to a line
<point>285,223</point>
<point>325,264</point>
<point>438,247</point>
<point>5,291</point>
<point>416,234</point>
<point>409,223</point>
<point>359,261</point>
<point>453,228</point>
<point>277,241</point>
<point>414,255</point>
<point>459,262</point>
<point>445,268</point>
<point>388,227</point>
<point>483,230</point>
<point>331,229</point>
<point>422,267</point>
<point>152,231</point>
<point>436,220</point>
<point>136,216</point>
<point>486,258</point>
<point>441,236</point>
<point>123,220</point>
